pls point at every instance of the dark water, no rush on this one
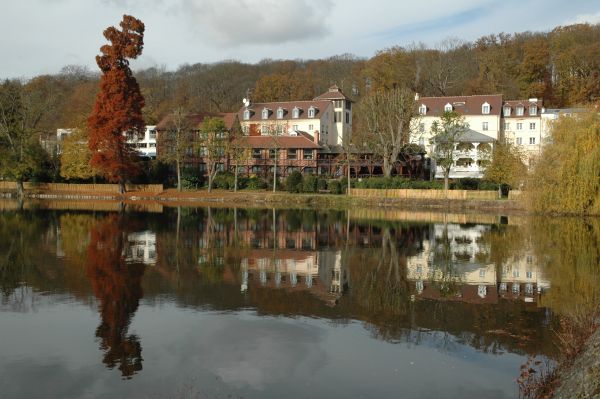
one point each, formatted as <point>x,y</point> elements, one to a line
<point>219,303</point>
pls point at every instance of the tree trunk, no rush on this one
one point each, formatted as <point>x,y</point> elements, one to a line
<point>348,189</point>
<point>178,167</point>
<point>235,178</point>
<point>387,167</point>
<point>499,191</point>
<point>122,187</point>
<point>20,189</point>
<point>446,174</point>
<point>275,172</point>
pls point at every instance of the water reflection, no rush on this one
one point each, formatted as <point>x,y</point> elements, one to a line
<point>117,285</point>
<point>491,287</point>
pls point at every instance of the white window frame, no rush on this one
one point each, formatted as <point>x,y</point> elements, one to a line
<point>448,107</point>
<point>519,110</point>
<point>507,110</point>
<point>311,112</point>
<point>519,126</point>
<point>519,140</point>
<point>485,108</point>
<point>279,113</point>
<point>506,125</point>
<point>531,125</point>
<point>532,141</point>
<point>246,114</point>
<point>265,113</point>
<point>533,110</point>
<point>484,126</point>
<point>422,109</point>
<point>296,113</point>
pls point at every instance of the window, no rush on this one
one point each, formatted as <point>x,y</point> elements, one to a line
<point>484,126</point>
<point>292,153</point>
<point>519,140</point>
<point>152,134</point>
<point>338,103</point>
<point>520,110</point>
<point>246,114</point>
<point>272,153</point>
<point>519,126</point>
<point>533,110</point>
<point>152,145</point>
<point>421,127</point>
<point>529,274</point>
<point>264,130</point>
<point>311,127</point>
<point>423,109</point>
<point>347,117</point>
<point>256,153</point>
<point>506,126</point>
<point>296,113</point>
<point>311,112</point>
<point>482,273</point>
<point>279,130</point>
<point>337,116</point>
<point>507,110</point>
<point>265,113</point>
<point>532,126</point>
<point>448,107</point>
<point>532,140</point>
<point>485,108</point>
<point>308,154</point>
<point>482,291</point>
<point>422,141</point>
<point>279,113</point>
<point>295,128</point>
<point>245,129</point>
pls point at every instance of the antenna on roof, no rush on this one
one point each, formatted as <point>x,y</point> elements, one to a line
<point>246,102</point>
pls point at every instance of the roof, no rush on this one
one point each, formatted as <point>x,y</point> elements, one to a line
<point>463,105</point>
<point>471,136</point>
<point>299,141</point>
<point>195,119</point>
<point>525,103</point>
<point>257,108</point>
<point>334,93</point>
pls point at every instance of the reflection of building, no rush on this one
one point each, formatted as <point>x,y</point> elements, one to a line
<point>141,248</point>
<point>320,272</point>
<point>455,265</point>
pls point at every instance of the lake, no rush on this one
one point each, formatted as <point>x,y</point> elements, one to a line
<point>270,303</point>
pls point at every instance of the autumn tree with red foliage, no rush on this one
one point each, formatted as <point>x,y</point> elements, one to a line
<point>119,104</point>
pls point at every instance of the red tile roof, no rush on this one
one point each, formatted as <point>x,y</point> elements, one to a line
<point>334,93</point>
<point>279,142</point>
<point>257,108</point>
<point>195,120</point>
<point>464,105</point>
<point>526,104</point>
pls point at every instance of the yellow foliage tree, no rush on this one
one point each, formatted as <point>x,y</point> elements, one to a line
<point>75,157</point>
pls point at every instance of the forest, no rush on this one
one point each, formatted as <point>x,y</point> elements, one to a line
<point>561,66</point>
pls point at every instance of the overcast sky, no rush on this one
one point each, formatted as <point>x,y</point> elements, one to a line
<point>42,36</point>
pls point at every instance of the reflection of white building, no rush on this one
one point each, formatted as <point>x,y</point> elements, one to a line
<point>319,272</point>
<point>522,277</point>
<point>141,248</point>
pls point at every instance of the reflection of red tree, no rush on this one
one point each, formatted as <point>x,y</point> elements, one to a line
<point>117,285</point>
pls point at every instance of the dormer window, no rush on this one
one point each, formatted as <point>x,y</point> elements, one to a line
<point>246,114</point>
<point>533,110</point>
<point>311,112</point>
<point>448,107</point>
<point>422,109</point>
<point>265,113</point>
<point>279,113</point>
<point>520,110</point>
<point>485,108</point>
<point>296,113</point>
<point>507,110</point>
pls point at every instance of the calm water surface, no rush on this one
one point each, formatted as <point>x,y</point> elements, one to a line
<point>255,303</point>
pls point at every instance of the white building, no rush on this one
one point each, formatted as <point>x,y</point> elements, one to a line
<point>141,248</point>
<point>146,144</point>
<point>327,118</point>
<point>523,126</point>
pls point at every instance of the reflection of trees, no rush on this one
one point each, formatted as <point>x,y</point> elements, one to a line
<point>117,286</point>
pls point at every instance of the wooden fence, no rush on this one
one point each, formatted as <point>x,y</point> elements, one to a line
<point>77,188</point>
<point>423,194</point>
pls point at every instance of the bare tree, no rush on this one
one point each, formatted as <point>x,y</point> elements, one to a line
<point>385,122</point>
<point>177,141</point>
<point>212,142</point>
<point>446,133</point>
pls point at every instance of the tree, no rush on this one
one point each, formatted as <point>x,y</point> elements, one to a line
<point>118,108</point>
<point>507,167</point>
<point>386,120</point>
<point>177,140</point>
<point>75,157</point>
<point>21,110</point>
<point>212,143</point>
<point>236,149</point>
<point>446,133</point>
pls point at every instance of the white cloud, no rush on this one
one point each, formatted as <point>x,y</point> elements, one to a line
<point>237,22</point>
<point>585,18</point>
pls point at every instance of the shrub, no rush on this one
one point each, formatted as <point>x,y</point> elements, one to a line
<point>256,183</point>
<point>321,184</point>
<point>224,180</point>
<point>191,179</point>
<point>334,186</point>
<point>310,184</point>
<point>293,183</point>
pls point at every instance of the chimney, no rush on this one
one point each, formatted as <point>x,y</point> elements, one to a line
<point>316,137</point>
<point>533,100</point>
<point>417,97</point>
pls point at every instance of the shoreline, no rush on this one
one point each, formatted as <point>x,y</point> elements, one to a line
<point>172,197</point>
